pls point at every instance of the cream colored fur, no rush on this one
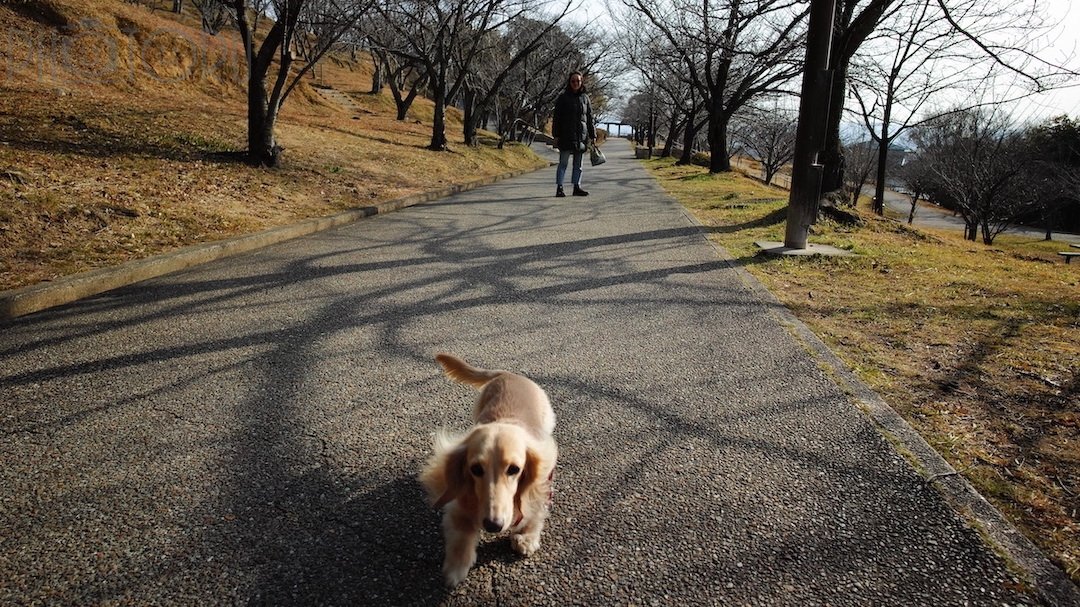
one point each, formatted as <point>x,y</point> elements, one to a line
<point>497,476</point>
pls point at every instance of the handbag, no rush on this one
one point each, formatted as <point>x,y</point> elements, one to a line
<point>596,157</point>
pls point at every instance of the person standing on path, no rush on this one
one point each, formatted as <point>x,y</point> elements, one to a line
<point>573,130</point>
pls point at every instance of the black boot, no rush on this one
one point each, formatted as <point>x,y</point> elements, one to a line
<point>559,193</point>
<point>578,191</point>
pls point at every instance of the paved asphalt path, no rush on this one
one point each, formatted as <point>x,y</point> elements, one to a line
<point>249,431</point>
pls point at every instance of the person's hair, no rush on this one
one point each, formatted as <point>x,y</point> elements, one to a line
<point>572,74</point>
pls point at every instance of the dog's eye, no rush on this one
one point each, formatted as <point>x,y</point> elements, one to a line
<point>477,470</point>
<point>512,470</point>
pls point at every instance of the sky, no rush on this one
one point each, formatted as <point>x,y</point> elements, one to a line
<point>1062,42</point>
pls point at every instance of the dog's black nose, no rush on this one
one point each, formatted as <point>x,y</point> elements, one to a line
<point>492,526</point>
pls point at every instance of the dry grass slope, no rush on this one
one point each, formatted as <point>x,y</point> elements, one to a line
<point>120,129</point>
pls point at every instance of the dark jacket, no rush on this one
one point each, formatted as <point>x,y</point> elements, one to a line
<point>572,121</point>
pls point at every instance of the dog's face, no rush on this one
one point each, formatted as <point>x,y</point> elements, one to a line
<point>488,470</point>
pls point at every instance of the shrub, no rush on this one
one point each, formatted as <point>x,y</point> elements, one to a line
<point>701,159</point>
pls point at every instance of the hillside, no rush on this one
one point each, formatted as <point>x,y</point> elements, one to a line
<point>122,127</point>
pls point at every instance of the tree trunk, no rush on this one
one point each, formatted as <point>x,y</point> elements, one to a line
<point>438,128</point>
<point>674,128</point>
<point>879,184</point>
<point>262,108</point>
<point>832,157</point>
<point>263,151</point>
<point>770,172</point>
<point>689,133</point>
<point>178,6</point>
<point>377,71</point>
<point>508,127</point>
<point>471,117</point>
<point>652,127</point>
<point>832,177</point>
<point>849,32</point>
<point>718,140</point>
<point>883,154</point>
<point>404,103</point>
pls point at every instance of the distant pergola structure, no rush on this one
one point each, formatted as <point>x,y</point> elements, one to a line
<point>618,127</point>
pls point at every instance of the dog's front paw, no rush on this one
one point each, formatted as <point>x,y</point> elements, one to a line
<point>454,574</point>
<point>525,544</point>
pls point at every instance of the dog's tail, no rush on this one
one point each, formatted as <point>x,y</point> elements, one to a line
<point>459,370</point>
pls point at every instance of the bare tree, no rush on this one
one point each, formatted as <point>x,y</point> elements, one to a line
<point>522,105</point>
<point>769,136</point>
<point>974,161</point>
<point>733,50</point>
<point>401,76</point>
<point>380,70</point>
<point>639,113</point>
<point>321,24</point>
<point>393,65</point>
<point>528,95</point>
<point>446,37</point>
<point>664,75</point>
<point>914,58</point>
<point>275,52</point>
<point>1003,32</point>
<point>916,183</point>
<point>524,35</point>
<point>862,159</point>
<point>685,118</point>
<point>214,14</point>
<point>513,106</point>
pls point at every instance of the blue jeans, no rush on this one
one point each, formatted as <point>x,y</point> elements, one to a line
<point>560,172</point>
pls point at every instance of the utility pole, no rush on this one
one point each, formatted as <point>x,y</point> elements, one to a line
<point>810,133</point>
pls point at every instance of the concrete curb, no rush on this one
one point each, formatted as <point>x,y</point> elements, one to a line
<point>26,300</point>
<point>1049,582</point>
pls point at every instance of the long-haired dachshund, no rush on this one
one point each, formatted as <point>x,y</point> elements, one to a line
<point>498,475</point>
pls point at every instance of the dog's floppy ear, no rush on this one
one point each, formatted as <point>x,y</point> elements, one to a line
<point>530,471</point>
<point>444,474</point>
<point>529,476</point>
<point>454,478</point>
